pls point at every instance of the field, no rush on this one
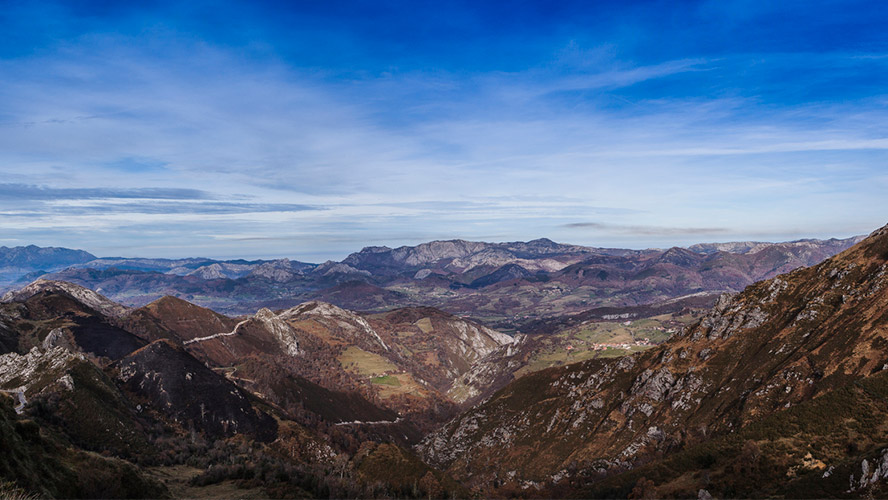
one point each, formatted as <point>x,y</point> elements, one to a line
<point>400,384</point>
<point>603,339</point>
<point>361,362</point>
<point>386,380</point>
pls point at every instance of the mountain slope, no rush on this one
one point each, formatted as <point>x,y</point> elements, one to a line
<point>35,463</point>
<point>191,394</point>
<point>830,446</point>
<point>373,367</point>
<point>775,345</point>
<point>180,320</point>
<point>63,314</point>
<point>404,360</point>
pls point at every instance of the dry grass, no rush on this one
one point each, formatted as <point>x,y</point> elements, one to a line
<point>361,362</point>
<point>407,385</point>
<point>9,491</point>
<point>425,324</point>
<point>317,329</point>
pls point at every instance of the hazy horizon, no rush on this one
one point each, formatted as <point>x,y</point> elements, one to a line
<point>343,256</point>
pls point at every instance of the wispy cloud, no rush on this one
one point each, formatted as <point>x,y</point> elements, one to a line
<point>648,230</point>
<point>143,122</point>
<point>157,208</point>
<point>35,192</point>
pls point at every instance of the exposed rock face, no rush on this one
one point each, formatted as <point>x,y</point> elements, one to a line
<point>281,331</point>
<point>444,345</point>
<point>278,270</point>
<point>331,268</point>
<point>776,344</point>
<point>870,474</point>
<point>84,295</point>
<point>490,373</point>
<point>476,341</point>
<point>217,270</point>
<point>753,247</point>
<point>347,320</point>
<point>38,366</point>
<point>55,338</point>
<point>727,317</point>
<point>211,272</point>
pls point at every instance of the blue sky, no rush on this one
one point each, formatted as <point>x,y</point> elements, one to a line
<point>311,129</point>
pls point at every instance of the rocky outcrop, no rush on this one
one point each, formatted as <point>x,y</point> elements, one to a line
<point>331,268</point>
<point>280,330</point>
<point>490,373</point>
<point>870,474</point>
<point>281,270</point>
<point>84,295</point>
<point>36,372</point>
<point>726,318</point>
<point>461,256</point>
<point>350,322</point>
<point>211,272</point>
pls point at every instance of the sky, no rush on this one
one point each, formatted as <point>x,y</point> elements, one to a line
<point>311,129</point>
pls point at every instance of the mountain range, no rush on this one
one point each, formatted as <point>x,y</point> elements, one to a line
<point>775,390</point>
<point>504,283</point>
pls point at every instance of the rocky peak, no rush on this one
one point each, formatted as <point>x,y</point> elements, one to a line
<point>85,296</point>
<point>348,320</point>
<point>331,267</point>
<point>436,250</point>
<point>680,257</point>
<point>280,330</point>
<point>210,272</point>
<point>280,270</point>
<point>375,249</point>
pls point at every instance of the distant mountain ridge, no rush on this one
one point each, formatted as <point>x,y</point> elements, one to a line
<point>17,262</point>
<point>748,247</point>
<point>512,282</point>
<point>461,255</point>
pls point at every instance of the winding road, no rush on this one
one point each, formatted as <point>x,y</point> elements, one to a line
<point>378,422</point>
<point>217,335</point>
